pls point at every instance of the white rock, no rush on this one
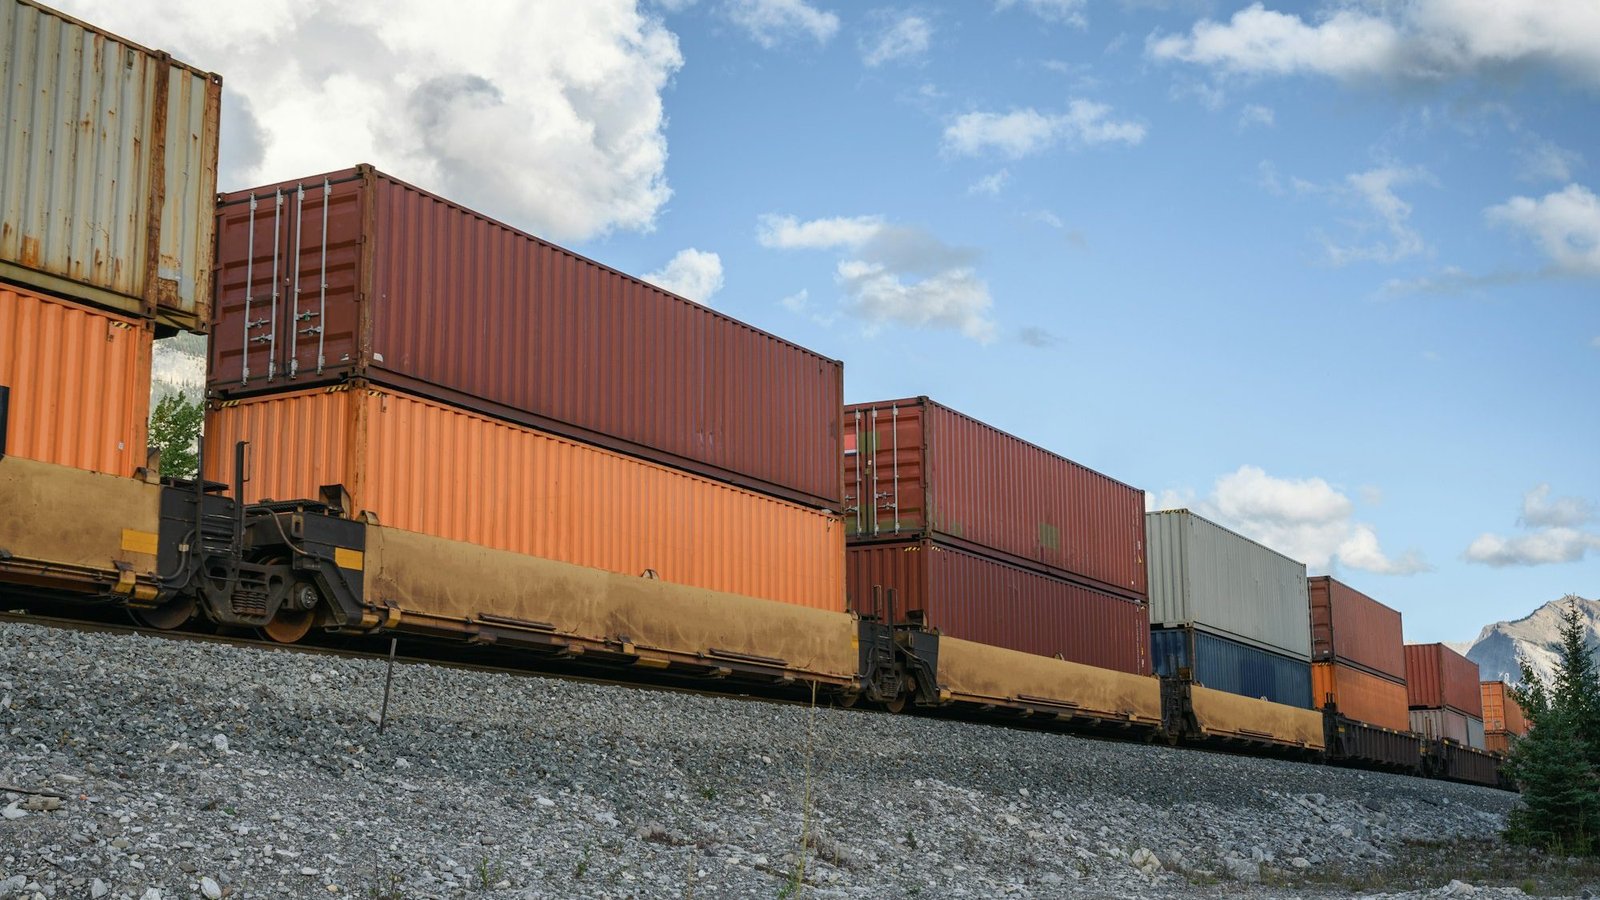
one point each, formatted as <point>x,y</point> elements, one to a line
<point>219,742</point>
<point>11,812</point>
<point>1459,888</point>
<point>98,889</point>
<point>1242,869</point>
<point>545,802</point>
<point>210,888</point>
<point>151,894</point>
<point>1300,862</point>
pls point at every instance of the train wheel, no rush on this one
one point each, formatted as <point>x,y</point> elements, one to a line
<point>897,704</point>
<point>289,625</point>
<point>167,616</point>
<point>846,699</point>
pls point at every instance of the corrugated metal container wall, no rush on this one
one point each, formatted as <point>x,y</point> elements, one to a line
<point>433,299</point>
<point>1231,666</point>
<point>939,474</point>
<point>1475,733</point>
<point>1351,627</point>
<point>1440,723</point>
<point>80,383</point>
<point>1203,574</point>
<point>426,467</point>
<point>1361,696</point>
<point>1500,710</point>
<point>1438,676</point>
<point>988,601</point>
<point>108,153</point>
<point>1497,742</point>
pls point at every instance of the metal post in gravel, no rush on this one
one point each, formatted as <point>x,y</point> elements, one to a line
<point>388,679</point>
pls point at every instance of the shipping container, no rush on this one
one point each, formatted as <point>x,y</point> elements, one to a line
<point>108,168</point>
<point>1437,676</point>
<point>1227,665</point>
<point>79,382</point>
<point>1205,575</point>
<point>428,297</point>
<point>989,601</point>
<point>1349,626</point>
<point>426,467</point>
<point>1499,741</point>
<point>1449,724</point>
<point>917,470</point>
<point>1360,695</point>
<point>1500,709</point>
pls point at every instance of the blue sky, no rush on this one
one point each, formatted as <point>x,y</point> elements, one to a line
<point>1327,273</point>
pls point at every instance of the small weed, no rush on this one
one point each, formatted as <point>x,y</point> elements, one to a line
<point>708,794</point>
<point>490,872</point>
<point>390,891</point>
<point>791,886</point>
<point>583,864</point>
<point>911,840</point>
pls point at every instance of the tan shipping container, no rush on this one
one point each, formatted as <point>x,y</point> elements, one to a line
<point>1360,695</point>
<point>426,467</point>
<point>79,380</point>
<point>108,168</point>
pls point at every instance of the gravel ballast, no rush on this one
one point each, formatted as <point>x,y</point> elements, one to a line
<point>143,767</point>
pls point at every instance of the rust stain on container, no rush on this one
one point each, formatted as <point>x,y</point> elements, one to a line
<point>1349,626</point>
<point>433,299</point>
<point>916,469</point>
<point>1360,695</point>
<point>1500,710</point>
<point>987,601</point>
<point>1437,676</point>
<point>426,467</point>
<point>80,383</point>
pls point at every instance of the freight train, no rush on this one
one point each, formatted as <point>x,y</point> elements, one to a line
<point>423,422</point>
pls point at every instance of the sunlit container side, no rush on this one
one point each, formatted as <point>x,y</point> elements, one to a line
<point>1227,665</point>
<point>917,470</point>
<point>1451,724</point>
<point>988,601</point>
<point>433,299</point>
<point>1203,574</point>
<point>79,380</point>
<point>425,467</point>
<point>1349,626</point>
<point>1437,676</point>
<point>108,168</point>
<point>1360,695</point>
<point>1500,709</point>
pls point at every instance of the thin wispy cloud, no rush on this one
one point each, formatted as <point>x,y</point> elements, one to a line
<point>1066,12</point>
<point>773,22</point>
<point>1026,132</point>
<point>905,39</point>
<point>990,185</point>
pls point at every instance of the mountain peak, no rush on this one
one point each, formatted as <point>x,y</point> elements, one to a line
<point>1535,638</point>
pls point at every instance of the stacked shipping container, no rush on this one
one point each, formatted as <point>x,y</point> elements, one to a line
<point>1443,689</point>
<point>1231,611</point>
<point>990,538</point>
<point>1502,717</point>
<point>464,379</point>
<point>108,156</point>
<point>1358,653</point>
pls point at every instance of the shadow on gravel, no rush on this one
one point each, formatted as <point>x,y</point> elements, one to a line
<point>1425,865</point>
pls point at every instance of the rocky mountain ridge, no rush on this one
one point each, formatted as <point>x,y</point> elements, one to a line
<point>1535,637</point>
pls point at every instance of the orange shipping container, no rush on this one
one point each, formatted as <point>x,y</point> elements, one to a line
<point>427,467</point>
<point>1500,711</point>
<point>79,380</point>
<point>1497,742</point>
<point>1360,695</point>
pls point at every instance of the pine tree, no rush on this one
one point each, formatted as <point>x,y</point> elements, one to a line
<point>175,431</point>
<point>1558,764</point>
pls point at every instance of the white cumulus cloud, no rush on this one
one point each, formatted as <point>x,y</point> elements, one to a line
<point>906,38</point>
<point>1565,224</point>
<point>1305,518</point>
<point>771,22</point>
<point>1069,12</point>
<point>1540,510</point>
<point>695,274</point>
<point>1555,536</point>
<point>544,113</point>
<point>1024,132</point>
<point>1423,39</point>
<point>891,274</point>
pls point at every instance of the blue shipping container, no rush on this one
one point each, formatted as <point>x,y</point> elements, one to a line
<point>1231,666</point>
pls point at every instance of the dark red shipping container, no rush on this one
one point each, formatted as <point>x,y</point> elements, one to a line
<point>357,274</point>
<point>1352,628</point>
<point>916,469</point>
<point>1437,676</point>
<point>988,601</point>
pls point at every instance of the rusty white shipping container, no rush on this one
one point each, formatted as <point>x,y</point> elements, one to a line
<point>1206,576</point>
<point>108,168</point>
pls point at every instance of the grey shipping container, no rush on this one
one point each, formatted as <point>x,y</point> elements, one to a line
<point>1449,724</point>
<point>1203,574</point>
<point>1226,665</point>
<point>108,168</point>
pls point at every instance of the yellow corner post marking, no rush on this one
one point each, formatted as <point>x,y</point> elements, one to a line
<point>135,541</point>
<point>349,559</point>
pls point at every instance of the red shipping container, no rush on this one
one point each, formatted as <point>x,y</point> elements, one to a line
<point>1437,676</point>
<point>915,469</point>
<point>1349,626</point>
<point>357,274</point>
<point>976,598</point>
